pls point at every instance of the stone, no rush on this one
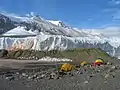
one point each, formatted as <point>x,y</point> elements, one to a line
<point>110,70</point>
<point>98,71</point>
<point>8,74</point>
<point>113,67</point>
<point>109,63</point>
<point>17,73</point>
<point>34,76</point>
<point>91,75</point>
<point>7,78</point>
<point>62,73</point>
<point>107,75</point>
<point>42,76</point>
<point>29,77</point>
<point>86,82</point>
<point>3,53</point>
<point>24,75</point>
<point>38,77</point>
<point>113,76</point>
<point>53,76</point>
<point>105,82</point>
<point>10,78</point>
<point>36,58</point>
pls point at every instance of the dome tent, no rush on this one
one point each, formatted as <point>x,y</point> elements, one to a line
<point>98,61</point>
<point>84,63</point>
<point>67,67</point>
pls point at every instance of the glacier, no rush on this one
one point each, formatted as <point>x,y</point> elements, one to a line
<point>60,42</point>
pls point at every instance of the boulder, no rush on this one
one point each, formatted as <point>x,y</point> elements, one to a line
<point>86,82</point>
<point>53,76</point>
<point>3,53</point>
<point>10,78</point>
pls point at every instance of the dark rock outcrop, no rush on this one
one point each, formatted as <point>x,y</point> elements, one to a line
<point>3,53</point>
<point>6,24</point>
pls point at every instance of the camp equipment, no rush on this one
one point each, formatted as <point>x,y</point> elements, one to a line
<point>84,63</point>
<point>67,67</point>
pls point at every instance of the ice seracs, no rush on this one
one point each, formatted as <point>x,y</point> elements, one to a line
<point>60,42</point>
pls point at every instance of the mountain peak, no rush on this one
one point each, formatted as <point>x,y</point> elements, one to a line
<point>58,23</point>
<point>35,23</point>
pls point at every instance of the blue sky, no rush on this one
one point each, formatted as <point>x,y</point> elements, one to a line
<point>77,13</point>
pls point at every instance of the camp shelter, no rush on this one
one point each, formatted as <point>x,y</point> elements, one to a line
<point>67,67</point>
<point>84,63</point>
<point>98,62</point>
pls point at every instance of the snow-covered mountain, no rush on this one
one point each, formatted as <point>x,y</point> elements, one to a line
<point>6,24</point>
<point>53,35</point>
<point>48,27</point>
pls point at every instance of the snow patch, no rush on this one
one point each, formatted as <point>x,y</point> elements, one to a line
<point>54,22</point>
<point>49,59</point>
<point>18,31</point>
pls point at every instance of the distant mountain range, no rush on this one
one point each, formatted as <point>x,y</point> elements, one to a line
<point>50,34</point>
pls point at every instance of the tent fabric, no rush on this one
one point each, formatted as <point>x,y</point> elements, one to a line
<point>84,63</point>
<point>97,64</point>
<point>67,67</point>
<point>98,61</point>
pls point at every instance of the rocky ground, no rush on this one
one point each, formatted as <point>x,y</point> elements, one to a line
<point>47,77</point>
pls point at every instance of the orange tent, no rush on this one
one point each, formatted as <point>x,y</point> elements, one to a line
<point>98,62</point>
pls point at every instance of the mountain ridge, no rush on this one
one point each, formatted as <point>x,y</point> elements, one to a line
<point>50,36</point>
<point>47,27</point>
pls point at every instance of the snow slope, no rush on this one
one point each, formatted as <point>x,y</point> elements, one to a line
<point>18,31</point>
<point>54,22</point>
<point>58,23</point>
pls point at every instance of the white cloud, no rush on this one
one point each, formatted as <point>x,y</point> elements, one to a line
<point>110,10</point>
<point>116,16</point>
<point>117,2</point>
<point>109,31</point>
<point>114,2</point>
<point>30,14</point>
<point>8,14</point>
<point>90,19</point>
<point>113,12</point>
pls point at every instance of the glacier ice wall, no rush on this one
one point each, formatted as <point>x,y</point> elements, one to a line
<point>50,42</point>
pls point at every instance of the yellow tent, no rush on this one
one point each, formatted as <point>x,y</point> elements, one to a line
<point>84,63</point>
<point>67,67</point>
<point>98,61</point>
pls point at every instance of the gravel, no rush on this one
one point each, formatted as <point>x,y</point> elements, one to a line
<point>90,78</point>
